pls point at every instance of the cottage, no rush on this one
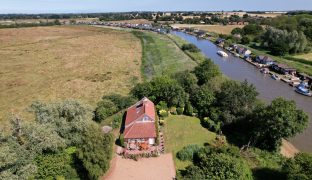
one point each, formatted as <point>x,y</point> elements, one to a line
<point>243,51</point>
<point>283,68</point>
<point>140,130</point>
<point>264,60</point>
<point>220,42</point>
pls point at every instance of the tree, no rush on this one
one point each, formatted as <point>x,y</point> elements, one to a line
<point>281,42</point>
<point>202,99</point>
<point>16,162</point>
<point>237,31</point>
<point>299,167</point>
<point>215,165</point>
<point>104,109</point>
<point>51,166</point>
<point>162,89</point>
<point>252,29</point>
<point>281,119</point>
<point>206,71</point>
<point>190,47</point>
<point>245,40</point>
<point>95,151</point>
<point>187,80</point>
<point>236,100</point>
<point>68,118</point>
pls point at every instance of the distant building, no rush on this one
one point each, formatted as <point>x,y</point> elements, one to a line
<point>283,68</point>
<point>264,60</point>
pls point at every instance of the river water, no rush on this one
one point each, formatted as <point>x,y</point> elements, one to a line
<point>268,89</point>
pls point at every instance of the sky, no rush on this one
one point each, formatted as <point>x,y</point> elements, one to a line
<point>86,6</point>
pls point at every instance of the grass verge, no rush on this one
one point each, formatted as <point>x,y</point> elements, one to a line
<point>198,57</point>
<point>161,56</point>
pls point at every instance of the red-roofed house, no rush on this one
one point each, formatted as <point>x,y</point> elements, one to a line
<point>140,125</point>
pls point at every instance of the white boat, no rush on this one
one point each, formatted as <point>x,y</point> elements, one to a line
<point>222,53</point>
<point>303,90</point>
<point>275,77</point>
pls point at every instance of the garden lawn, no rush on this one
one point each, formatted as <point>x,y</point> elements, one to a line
<point>161,56</point>
<point>180,131</point>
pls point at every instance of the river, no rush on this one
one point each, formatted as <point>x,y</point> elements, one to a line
<point>268,88</point>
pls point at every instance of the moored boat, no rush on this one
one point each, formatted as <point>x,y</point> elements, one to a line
<point>222,53</point>
<point>264,70</point>
<point>275,77</point>
<point>302,90</point>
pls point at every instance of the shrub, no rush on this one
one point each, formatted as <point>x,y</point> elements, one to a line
<point>122,140</point>
<point>211,125</point>
<point>187,153</point>
<point>104,109</point>
<point>117,119</point>
<point>163,114</point>
<point>55,165</point>
<point>189,110</point>
<point>95,151</point>
<point>190,47</point>
<point>180,110</point>
<point>173,110</point>
<point>121,102</point>
<point>162,105</point>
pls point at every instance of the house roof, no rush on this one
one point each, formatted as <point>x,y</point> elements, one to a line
<point>141,130</point>
<point>143,107</point>
<point>134,126</point>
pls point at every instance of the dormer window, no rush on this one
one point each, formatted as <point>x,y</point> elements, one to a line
<point>145,118</point>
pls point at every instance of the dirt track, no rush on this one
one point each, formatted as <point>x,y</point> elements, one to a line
<point>147,168</point>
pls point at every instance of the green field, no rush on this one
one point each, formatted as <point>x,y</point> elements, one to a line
<point>181,131</point>
<point>161,56</point>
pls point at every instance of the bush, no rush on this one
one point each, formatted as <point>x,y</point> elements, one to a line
<point>122,140</point>
<point>180,110</point>
<point>95,151</point>
<point>245,40</point>
<point>117,119</point>
<point>211,125</point>
<point>104,109</point>
<point>163,114</point>
<point>187,153</point>
<point>190,47</point>
<point>121,102</point>
<point>55,165</point>
<point>189,110</point>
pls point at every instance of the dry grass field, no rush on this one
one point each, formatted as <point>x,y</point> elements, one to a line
<point>220,29</point>
<point>20,21</point>
<point>57,63</point>
<point>134,21</point>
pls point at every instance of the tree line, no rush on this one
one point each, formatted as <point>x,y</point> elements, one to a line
<point>62,142</point>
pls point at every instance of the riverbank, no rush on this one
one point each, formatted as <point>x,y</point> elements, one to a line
<point>269,89</point>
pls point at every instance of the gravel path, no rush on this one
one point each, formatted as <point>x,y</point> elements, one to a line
<point>144,169</point>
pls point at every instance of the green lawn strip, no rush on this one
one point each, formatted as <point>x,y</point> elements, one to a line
<point>198,57</point>
<point>161,56</point>
<point>180,131</point>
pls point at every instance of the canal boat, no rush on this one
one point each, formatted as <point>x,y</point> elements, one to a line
<point>265,70</point>
<point>222,53</point>
<point>275,77</point>
<point>303,90</point>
